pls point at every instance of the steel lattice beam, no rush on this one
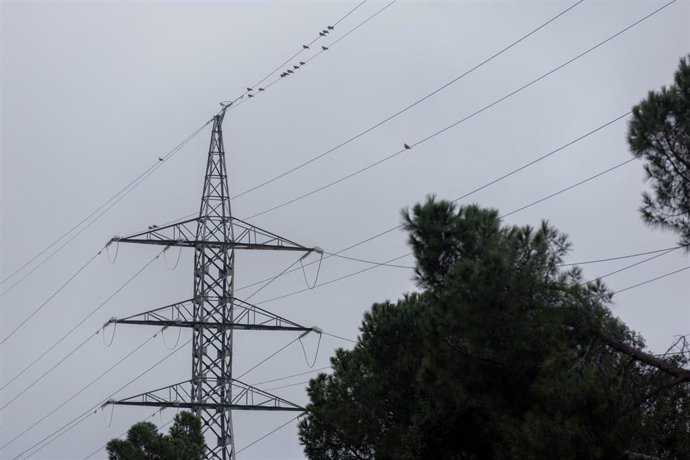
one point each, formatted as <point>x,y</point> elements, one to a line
<point>245,316</point>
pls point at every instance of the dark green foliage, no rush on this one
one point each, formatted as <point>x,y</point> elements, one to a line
<point>185,441</point>
<point>495,359</point>
<point>660,134</point>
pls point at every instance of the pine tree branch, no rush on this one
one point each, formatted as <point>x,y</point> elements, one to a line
<point>682,374</point>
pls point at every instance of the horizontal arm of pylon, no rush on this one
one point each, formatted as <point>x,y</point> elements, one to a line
<point>245,317</point>
<point>244,397</point>
<point>184,234</point>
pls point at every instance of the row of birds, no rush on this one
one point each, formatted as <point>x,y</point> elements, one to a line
<point>288,72</point>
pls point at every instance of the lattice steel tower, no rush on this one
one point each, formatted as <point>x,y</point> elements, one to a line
<point>213,312</point>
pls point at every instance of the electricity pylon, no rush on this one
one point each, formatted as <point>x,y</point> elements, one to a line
<point>213,312</point>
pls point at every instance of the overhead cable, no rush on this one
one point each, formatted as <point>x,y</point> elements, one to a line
<point>84,388</point>
<point>83,320</point>
<point>301,50</point>
<point>410,106</point>
<point>627,256</point>
<point>635,264</point>
<point>40,307</point>
<point>268,434</point>
<point>102,209</point>
<point>469,193</point>
<point>410,146</point>
<point>651,280</point>
<point>570,187</point>
<point>290,71</point>
<point>44,442</point>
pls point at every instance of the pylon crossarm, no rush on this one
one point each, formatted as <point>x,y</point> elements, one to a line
<point>253,317</point>
<point>184,234</point>
<point>245,397</point>
<point>257,238</point>
<point>181,233</point>
<point>181,314</point>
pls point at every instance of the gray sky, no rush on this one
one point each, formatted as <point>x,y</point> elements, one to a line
<point>94,92</point>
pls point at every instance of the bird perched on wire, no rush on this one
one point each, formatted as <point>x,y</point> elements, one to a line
<point>295,67</point>
<point>160,159</point>
<point>249,89</point>
<point>290,71</point>
<point>322,34</point>
<point>302,63</point>
<point>250,95</point>
<point>330,27</point>
<point>325,48</point>
<point>324,31</point>
<point>306,47</point>
<point>261,89</point>
<point>407,147</point>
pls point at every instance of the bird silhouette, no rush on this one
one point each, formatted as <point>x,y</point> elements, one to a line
<point>295,67</point>
<point>249,89</point>
<point>302,63</point>
<point>290,71</point>
<point>306,47</point>
<point>261,89</point>
<point>322,34</point>
<point>250,95</point>
<point>407,147</point>
<point>283,75</point>
<point>324,31</point>
<point>324,48</point>
<point>160,159</point>
<point>330,27</point>
<point>154,226</point>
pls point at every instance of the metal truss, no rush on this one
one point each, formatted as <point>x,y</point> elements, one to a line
<point>245,316</point>
<point>184,234</point>
<point>213,312</point>
<point>245,397</point>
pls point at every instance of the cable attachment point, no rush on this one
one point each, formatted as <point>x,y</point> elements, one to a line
<point>318,346</point>
<point>316,250</point>
<point>112,337</point>
<point>115,240</point>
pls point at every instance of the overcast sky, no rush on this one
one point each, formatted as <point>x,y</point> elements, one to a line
<point>94,92</point>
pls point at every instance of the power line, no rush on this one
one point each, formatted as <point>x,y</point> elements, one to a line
<point>635,264</point>
<point>338,337</point>
<point>627,256</point>
<point>370,262</point>
<point>268,434</point>
<point>40,307</point>
<point>453,125</point>
<point>308,60</point>
<point>577,184</point>
<point>471,192</point>
<point>71,424</point>
<point>108,204</point>
<point>268,357</point>
<point>123,434</point>
<point>84,388</point>
<point>62,430</point>
<point>302,49</point>
<point>287,386</point>
<point>651,280</point>
<point>291,376</point>
<point>410,106</point>
<point>28,387</point>
<point>101,305</point>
